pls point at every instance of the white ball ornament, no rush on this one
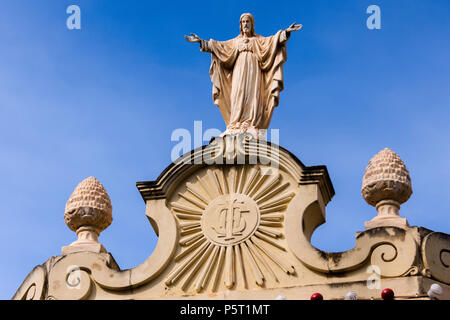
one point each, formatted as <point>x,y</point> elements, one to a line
<point>435,291</point>
<point>351,295</point>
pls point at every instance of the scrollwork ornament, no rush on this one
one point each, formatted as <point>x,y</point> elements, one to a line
<point>413,271</point>
<point>436,255</point>
<point>33,288</point>
<point>426,272</point>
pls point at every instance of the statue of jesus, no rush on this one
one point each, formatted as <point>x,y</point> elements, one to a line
<point>247,76</point>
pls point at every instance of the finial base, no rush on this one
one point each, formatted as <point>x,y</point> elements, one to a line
<point>87,242</point>
<point>388,216</point>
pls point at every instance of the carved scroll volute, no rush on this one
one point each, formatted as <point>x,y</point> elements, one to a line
<point>83,269</point>
<point>33,287</point>
<point>304,214</point>
<point>436,256</point>
<point>392,249</point>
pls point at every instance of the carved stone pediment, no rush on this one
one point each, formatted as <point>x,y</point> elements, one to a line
<point>234,220</point>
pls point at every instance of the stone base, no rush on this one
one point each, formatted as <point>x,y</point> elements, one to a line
<point>387,221</point>
<point>256,133</point>
<point>83,247</point>
<point>405,288</point>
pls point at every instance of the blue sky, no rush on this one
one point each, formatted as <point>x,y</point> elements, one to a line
<point>103,101</point>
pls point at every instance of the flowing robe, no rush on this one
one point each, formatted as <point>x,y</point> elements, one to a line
<point>247,77</point>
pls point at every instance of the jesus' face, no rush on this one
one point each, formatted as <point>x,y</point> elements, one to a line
<point>246,25</point>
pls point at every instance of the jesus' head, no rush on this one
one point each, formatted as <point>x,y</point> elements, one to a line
<point>247,24</point>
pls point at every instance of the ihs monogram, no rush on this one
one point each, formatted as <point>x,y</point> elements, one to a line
<point>231,221</point>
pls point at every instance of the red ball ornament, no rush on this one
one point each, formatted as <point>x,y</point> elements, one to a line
<point>316,296</point>
<point>387,294</point>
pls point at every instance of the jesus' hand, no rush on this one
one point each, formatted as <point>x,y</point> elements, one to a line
<point>193,38</point>
<point>294,27</point>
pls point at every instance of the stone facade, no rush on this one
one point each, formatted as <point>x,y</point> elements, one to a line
<point>236,223</point>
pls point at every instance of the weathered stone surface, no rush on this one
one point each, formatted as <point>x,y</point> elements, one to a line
<point>386,185</point>
<point>90,205</point>
<point>88,212</point>
<point>232,232</point>
<point>386,178</point>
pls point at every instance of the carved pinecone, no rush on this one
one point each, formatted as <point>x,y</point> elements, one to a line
<point>89,205</point>
<point>386,178</point>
